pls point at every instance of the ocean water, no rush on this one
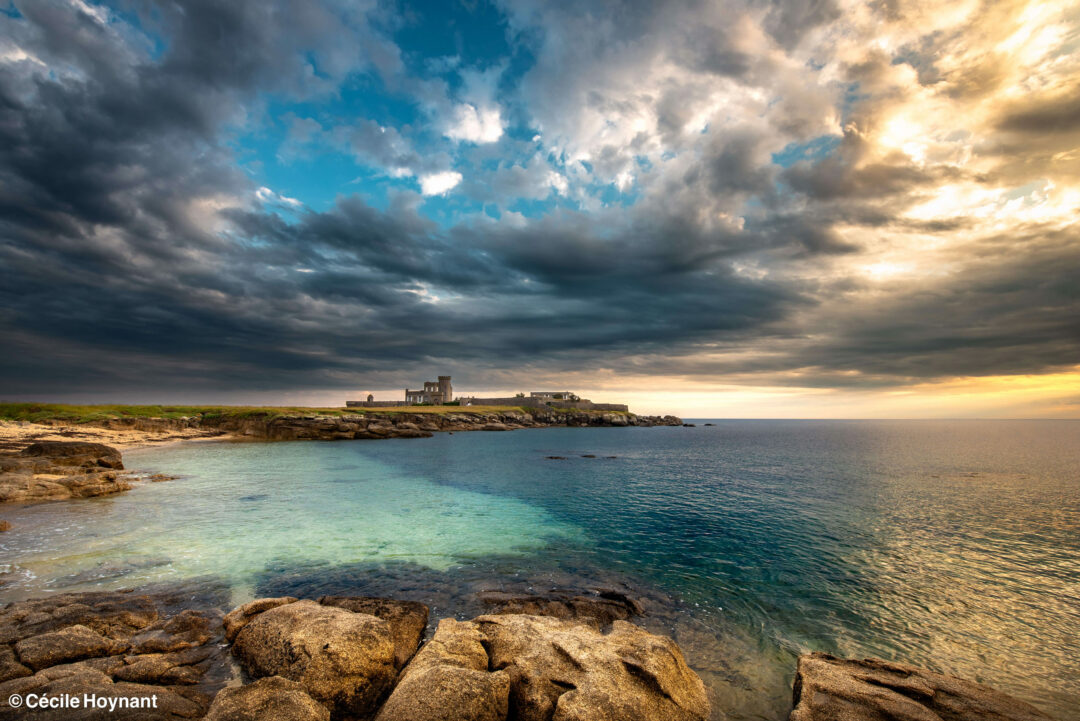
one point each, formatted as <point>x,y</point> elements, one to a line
<point>950,545</point>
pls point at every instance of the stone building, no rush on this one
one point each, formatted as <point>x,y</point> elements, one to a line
<point>435,392</point>
<point>554,395</point>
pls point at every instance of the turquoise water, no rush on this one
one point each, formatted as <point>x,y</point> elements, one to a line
<point>950,545</point>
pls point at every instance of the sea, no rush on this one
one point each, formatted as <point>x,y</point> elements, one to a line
<point>950,545</point>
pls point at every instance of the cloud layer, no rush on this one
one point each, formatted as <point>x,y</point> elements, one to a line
<point>799,194</point>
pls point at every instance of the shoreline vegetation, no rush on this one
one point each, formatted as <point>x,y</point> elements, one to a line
<point>533,657</point>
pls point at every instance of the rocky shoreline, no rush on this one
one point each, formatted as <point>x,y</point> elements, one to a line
<point>376,425</point>
<point>41,463</point>
<point>530,658</point>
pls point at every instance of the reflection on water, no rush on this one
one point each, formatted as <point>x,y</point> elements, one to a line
<point>954,546</point>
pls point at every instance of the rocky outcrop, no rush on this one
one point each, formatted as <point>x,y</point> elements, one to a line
<point>101,643</point>
<point>89,456</point>
<point>376,425</point>
<point>269,699</point>
<point>61,469</point>
<point>342,659</point>
<point>379,425</point>
<point>833,689</point>
<point>588,665</point>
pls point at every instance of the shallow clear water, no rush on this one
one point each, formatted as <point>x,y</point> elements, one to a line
<point>950,545</point>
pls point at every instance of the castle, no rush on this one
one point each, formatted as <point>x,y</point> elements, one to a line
<point>436,393</point>
<point>441,392</point>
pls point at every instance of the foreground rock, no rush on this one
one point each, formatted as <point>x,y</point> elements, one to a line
<point>535,668</point>
<point>342,659</point>
<point>61,469</point>
<point>344,652</point>
<point>449,681</point>
<point>142,702</point>
<point>832,689</point>
<point>568,670</point>
<point>407,620</point>
<point>112,645</point>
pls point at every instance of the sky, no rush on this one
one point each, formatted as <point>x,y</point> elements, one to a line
<point>812,209</point>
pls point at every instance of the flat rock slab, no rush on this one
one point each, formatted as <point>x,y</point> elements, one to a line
<point>269,699</point>
<point>75,453</point>
<point>78,680</point>
<point>834,689</point>
<point>73,643</point>
<point>116,615</point>
<point>112,645</point>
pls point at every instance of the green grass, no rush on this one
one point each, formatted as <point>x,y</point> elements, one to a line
<point>37,412</point>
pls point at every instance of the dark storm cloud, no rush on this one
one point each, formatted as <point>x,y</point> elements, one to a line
<point>1057,114</point>
<point>136,254</point>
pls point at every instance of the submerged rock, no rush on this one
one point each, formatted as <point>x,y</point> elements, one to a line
<point>344,660</point>
<point>604,608</point>
<point>269,699</point>
<point>186,629</point>
<point>833,689</point>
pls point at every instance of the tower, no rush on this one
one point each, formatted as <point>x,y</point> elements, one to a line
<point>445,389</point>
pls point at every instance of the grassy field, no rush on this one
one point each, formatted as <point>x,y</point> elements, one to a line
<point>37,412</point>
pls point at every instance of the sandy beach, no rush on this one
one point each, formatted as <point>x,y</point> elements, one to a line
<point>16,435</point>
